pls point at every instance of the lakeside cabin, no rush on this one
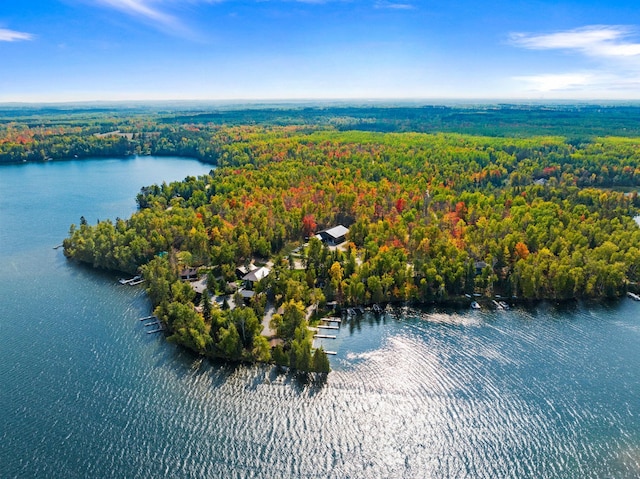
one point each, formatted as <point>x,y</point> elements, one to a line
<point>251,278</point>
<point>333,236</point>
<point>242,271</point>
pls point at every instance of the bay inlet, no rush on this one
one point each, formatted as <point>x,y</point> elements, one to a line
<point>526,393</point>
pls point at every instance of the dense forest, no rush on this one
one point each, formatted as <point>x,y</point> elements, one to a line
<point>31,133</point>
<point>432,217</point>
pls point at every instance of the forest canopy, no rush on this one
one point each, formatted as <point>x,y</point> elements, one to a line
<point>431,216</point>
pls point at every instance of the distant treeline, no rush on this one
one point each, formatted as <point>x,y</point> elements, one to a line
<point>32,134</point>
<point>575,122</point>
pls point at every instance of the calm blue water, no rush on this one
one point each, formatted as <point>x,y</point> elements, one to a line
<point>84,392</point>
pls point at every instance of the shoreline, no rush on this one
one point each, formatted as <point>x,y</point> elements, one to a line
<point>105,157</point>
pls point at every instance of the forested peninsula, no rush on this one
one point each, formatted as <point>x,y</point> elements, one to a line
<point>429,217</point>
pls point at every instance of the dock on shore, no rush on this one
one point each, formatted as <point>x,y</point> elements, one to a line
<point>332,320</point>
<point>330,353</point>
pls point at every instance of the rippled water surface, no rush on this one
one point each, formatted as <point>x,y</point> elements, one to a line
<point>84,392</point>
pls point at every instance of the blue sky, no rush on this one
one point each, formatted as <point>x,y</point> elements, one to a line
<point>85,50</point>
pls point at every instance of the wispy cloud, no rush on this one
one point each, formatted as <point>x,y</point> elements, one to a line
<point>394,5</point>
<point>547,82</point>
<point>612,52</point>
<point>140,8</point>
<point>153,12</point>
<point>594,40</point>
<point>163,15</point>
<point>7,35</point>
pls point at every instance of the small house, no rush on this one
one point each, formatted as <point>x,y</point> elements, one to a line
<point>250,279</point>
<point>247,295</point>
<point>242,271</point>
<point>189,274</point>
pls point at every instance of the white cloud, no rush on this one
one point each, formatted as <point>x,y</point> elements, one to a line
<point>141,8</point>
<point>612,53</point>
<point>13,36</point>
<point>594,40</point>
<point>394,6</point>
<point>161,14</point>
<point>547,82</point>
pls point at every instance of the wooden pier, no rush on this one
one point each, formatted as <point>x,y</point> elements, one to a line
<point>154,331</point>
<point>152,323</point>
<point>324,336</point>
<point>331,353</point>
<point>147,317</point>
<point>332,320</point>
<point>325,326</point>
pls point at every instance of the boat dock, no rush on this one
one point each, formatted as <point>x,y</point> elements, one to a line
<point>154,321</point>
<point>332,320</point>
<point>324,336</point>
<point>326,326</point>
<point>330,353</point>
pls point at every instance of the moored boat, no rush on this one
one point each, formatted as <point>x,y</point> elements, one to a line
<point>633,296</point>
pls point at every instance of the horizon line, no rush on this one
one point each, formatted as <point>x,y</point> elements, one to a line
<point>360,101</point>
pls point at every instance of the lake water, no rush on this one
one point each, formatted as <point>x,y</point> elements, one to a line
<point>547,393</point>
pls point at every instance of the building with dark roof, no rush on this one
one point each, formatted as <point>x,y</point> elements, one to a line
<point>333,236</point>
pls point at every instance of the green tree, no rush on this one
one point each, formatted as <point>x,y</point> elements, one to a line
<point>320,361</point>
<point>230,344</point>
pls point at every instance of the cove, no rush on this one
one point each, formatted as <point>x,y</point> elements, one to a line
<point>547,392</point>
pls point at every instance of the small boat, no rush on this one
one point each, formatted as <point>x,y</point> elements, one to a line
<point>475,305</point>
<point>633,296</point>
<point>377,309</point>
<point>130,281</point>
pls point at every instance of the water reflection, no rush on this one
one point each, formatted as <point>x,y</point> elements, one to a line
<point>546,390</point>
